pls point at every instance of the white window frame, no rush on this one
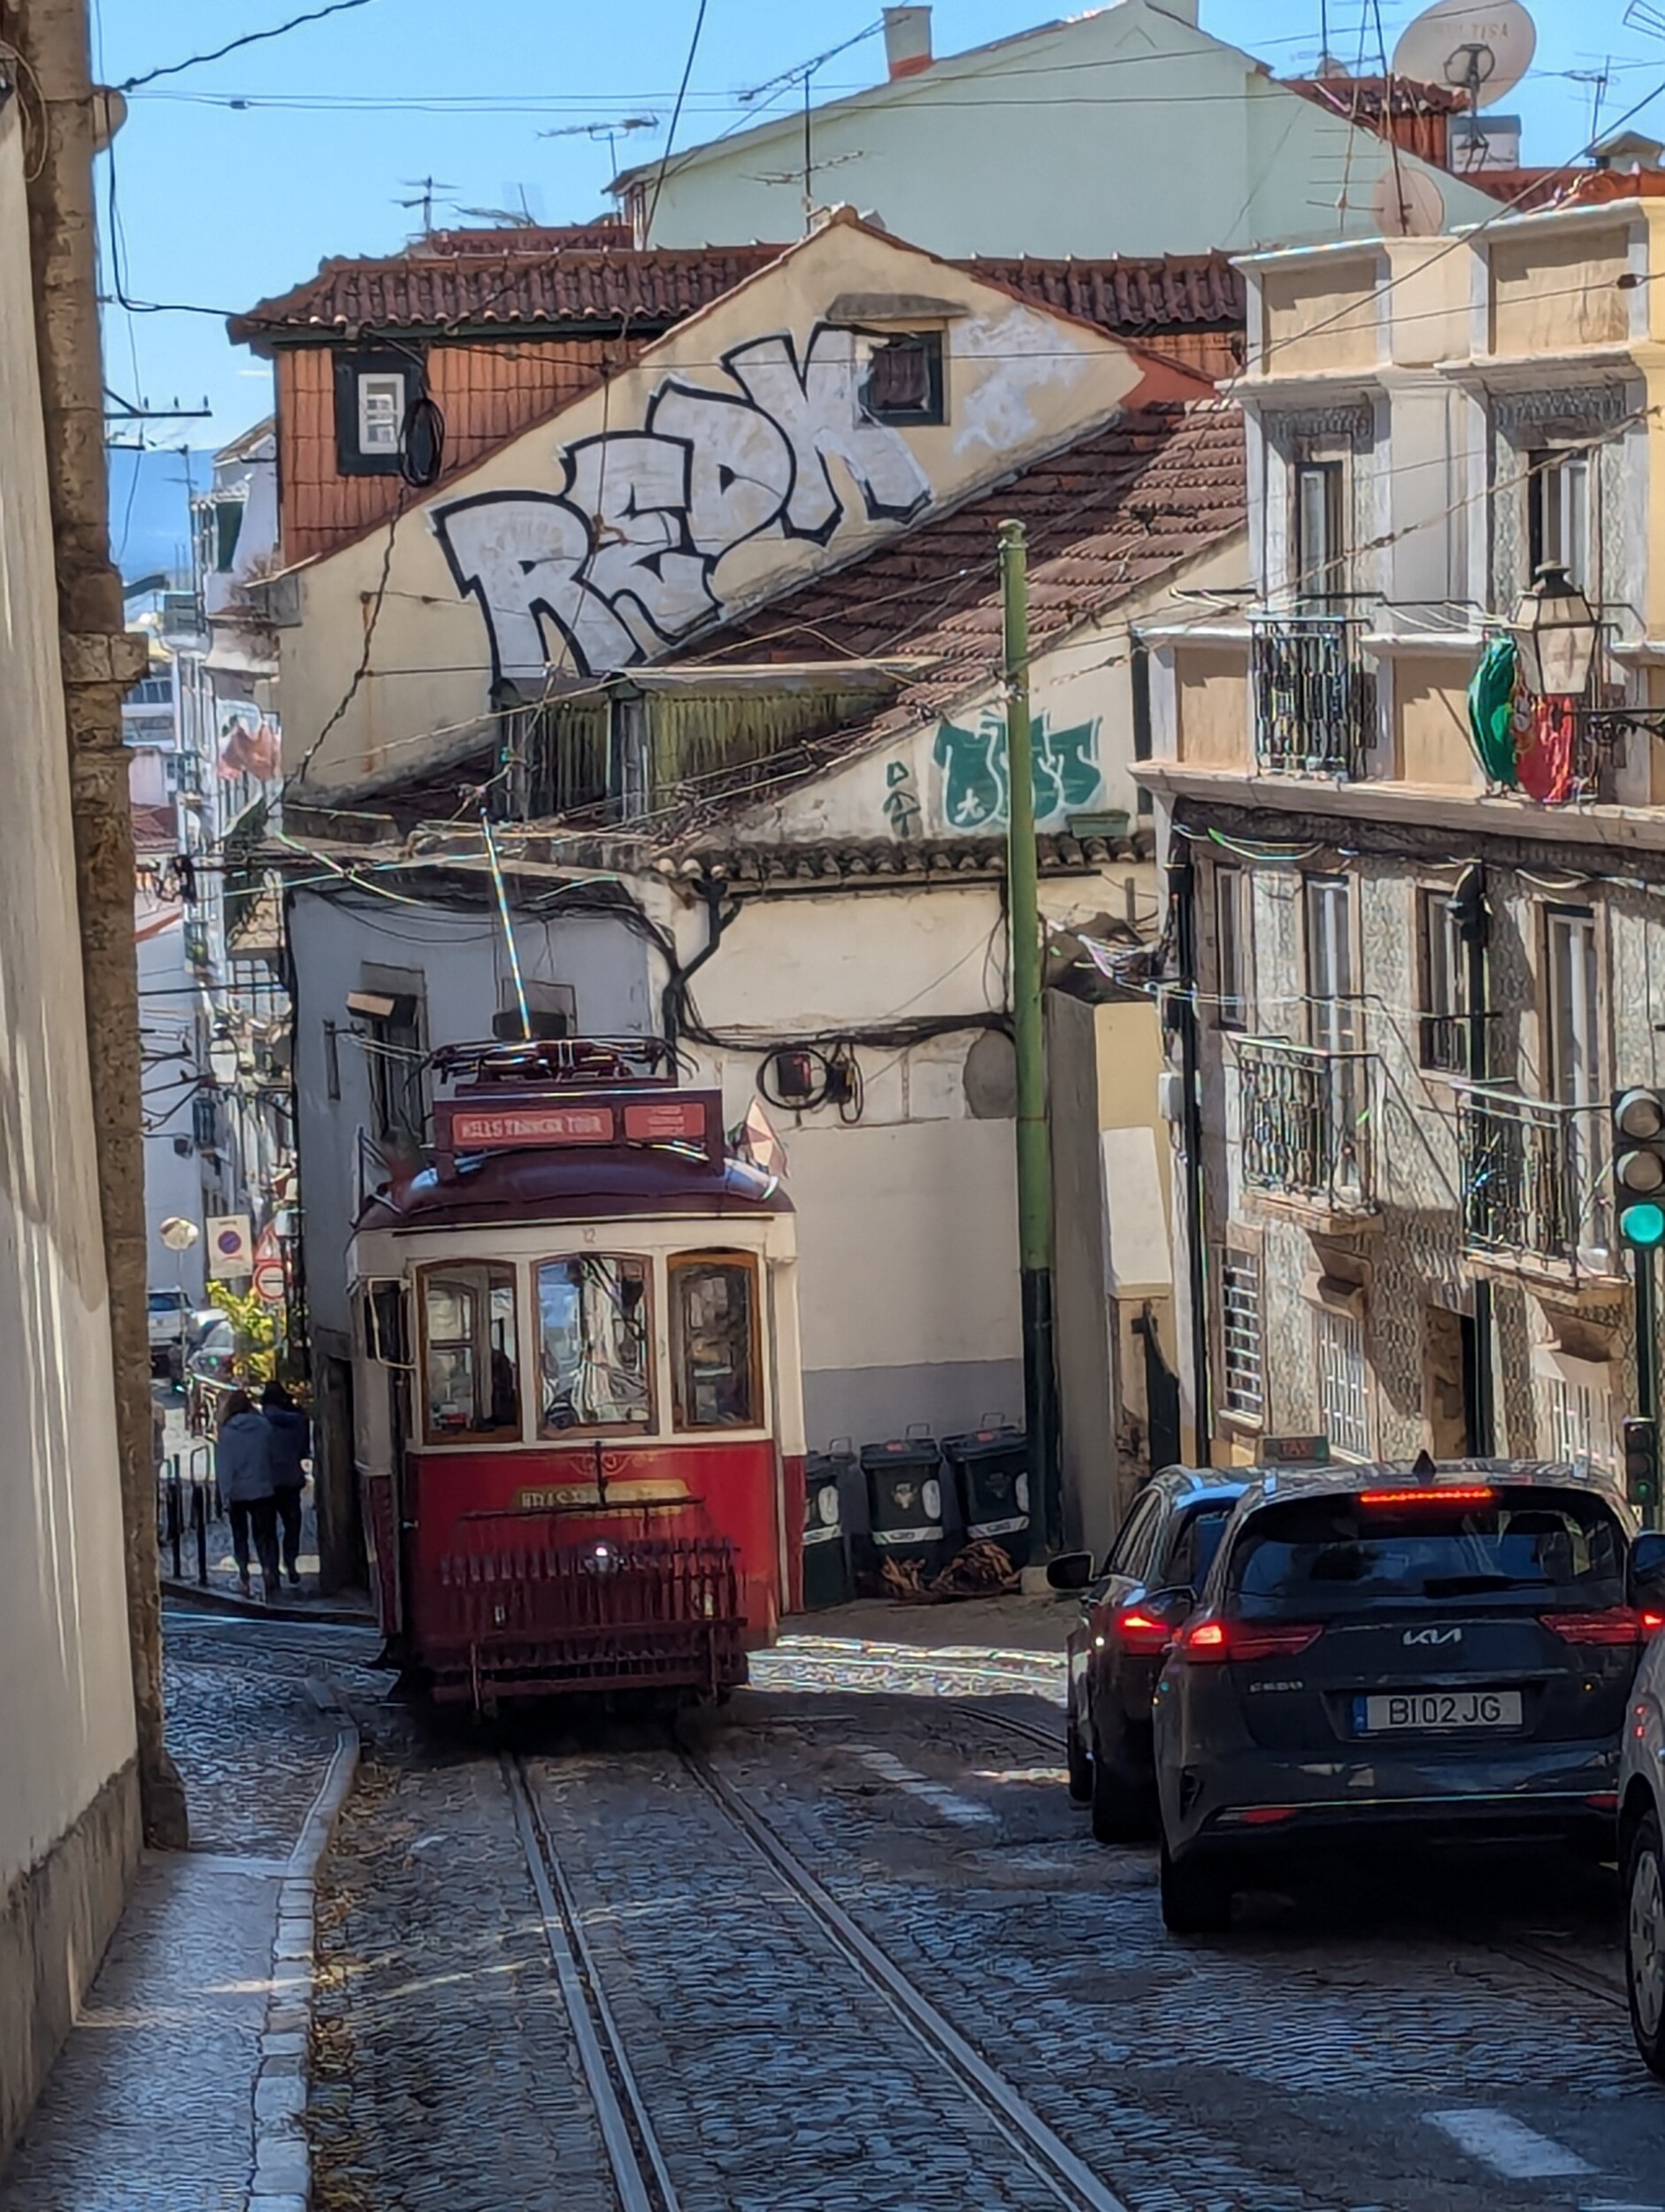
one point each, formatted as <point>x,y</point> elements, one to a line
<point>375,387</point>
<point>1233,948</point>
<point>1442,978</point>
<point>1561,485</point>
<point>1242,1335</point>
<point>1318,548</point>
<point>1576,1412</point>
<point>1343,1370</point>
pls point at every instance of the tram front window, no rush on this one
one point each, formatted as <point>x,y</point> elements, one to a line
<point>714,1357</point>
<point>594,1348</point>
<point>472,1352</point>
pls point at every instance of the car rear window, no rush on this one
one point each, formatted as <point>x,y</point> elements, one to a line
<point>1194,1546</point>
<point>1312,1557</point>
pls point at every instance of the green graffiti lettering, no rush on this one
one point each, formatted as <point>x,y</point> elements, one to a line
<point>1064,765</point>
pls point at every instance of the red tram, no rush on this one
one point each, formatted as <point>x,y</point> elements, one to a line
<point>579,1403</point>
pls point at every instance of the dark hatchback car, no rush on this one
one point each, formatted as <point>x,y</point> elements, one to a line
<point>1129,1612</point>
<point>1387,1653</point>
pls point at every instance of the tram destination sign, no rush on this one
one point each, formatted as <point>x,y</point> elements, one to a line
<point>537,1124</point>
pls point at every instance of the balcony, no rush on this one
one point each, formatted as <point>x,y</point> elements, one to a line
<point>1315,701</point>
<point>1531,1186</point>
<point>1306,1127</point>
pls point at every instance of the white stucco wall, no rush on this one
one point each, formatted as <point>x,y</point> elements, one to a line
<point>167,1014</point>
<point>728,462</point>
<point>66,1722</point>
<point>1123,131</point>
<point>457,963</point>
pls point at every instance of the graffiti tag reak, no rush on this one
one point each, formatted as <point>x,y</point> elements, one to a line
<point>623,560</point>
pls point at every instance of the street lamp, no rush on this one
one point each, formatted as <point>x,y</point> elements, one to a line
<point>1555,634</point>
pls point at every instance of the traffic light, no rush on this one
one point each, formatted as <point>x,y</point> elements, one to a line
<point>1639,1166</point>
<point>1641,1466</point>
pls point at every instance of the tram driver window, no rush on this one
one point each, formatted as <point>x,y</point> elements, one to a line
<point>471,1353</point>
<point>714,1359</point>
<point>593,1350</point>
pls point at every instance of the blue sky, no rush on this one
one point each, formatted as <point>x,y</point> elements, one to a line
<point>219,206</point>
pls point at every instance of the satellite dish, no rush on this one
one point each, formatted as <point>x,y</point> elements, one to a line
<point>1407,203</point>
<point>1483,52</point>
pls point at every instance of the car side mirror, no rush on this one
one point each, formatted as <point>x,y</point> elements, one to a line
<point>1647,1576</point>
<point>1069,1571</point>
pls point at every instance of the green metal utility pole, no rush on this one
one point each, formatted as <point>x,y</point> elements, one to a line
<point>1034,1159</point>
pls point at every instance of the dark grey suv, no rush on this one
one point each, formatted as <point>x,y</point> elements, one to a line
<point>1389,1651</point>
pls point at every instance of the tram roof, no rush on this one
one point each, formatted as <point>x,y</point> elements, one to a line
<point>588,1184</point>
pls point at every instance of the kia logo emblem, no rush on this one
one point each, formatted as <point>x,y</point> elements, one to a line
<point>1433,1635</point>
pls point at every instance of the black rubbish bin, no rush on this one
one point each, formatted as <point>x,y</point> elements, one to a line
<point>904,1503</point>
<point>826,1559</point>
<point>991,1474</point>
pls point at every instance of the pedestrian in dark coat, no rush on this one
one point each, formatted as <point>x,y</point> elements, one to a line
<point>291,1445</point>
<point>243,1468</point>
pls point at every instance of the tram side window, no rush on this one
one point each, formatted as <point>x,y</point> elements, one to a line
<point>473,1389</point>
<point>714,1343</point>
<point>593,1350</point>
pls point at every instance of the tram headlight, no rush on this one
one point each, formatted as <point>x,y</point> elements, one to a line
<point>600,1558</point>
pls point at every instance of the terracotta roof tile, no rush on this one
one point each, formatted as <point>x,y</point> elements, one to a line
<point>1129,294</point>
<point>559,285</point>
<point>511,286</point>
<point>775,867</point>
<point>1104,515</point>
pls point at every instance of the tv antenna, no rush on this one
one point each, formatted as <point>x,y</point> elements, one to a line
<point>426,191</point>
<point>611,132</point>
<point>1642,15</point>
<point>519,218</point>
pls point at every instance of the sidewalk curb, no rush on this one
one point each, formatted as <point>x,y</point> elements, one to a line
<point>212,1601</point>
<point>283,2159</point>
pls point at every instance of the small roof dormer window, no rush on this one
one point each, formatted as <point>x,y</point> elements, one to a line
<point>372,391</point>
<point>904,382</point>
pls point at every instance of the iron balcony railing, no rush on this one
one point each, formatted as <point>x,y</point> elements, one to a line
<point>1315,701</point>
<point>1306,1122</point>
<point>1532,1178</point>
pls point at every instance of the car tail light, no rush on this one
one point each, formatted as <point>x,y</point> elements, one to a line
<point>1211,1639</point>
<point>1619,1624</point>
<point>1143,1633</point>
<point>1431,1493</point>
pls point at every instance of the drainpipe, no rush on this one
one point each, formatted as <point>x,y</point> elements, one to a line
<point>1473,918</point>
<point>1182,890</point>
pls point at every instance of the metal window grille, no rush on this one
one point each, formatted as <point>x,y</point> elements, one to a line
<point>1343,1383</point>
<point>1243,1376</point>
<point>1314,701</point>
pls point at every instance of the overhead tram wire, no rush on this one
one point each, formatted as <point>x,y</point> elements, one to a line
<point>249,38</point>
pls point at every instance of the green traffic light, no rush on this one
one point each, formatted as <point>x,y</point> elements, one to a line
<point>1643,1225</point>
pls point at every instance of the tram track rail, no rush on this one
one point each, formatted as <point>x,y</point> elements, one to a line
<point>1071,2183</point>
<point>641,2174</point>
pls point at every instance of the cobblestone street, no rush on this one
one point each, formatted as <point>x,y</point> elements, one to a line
<point>722,1910</point>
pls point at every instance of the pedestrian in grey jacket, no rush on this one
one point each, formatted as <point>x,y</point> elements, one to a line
<point>243,1468</point>
<point>291,1442</point>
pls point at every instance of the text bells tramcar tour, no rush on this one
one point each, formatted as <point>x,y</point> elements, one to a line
<point>579,1400</point>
